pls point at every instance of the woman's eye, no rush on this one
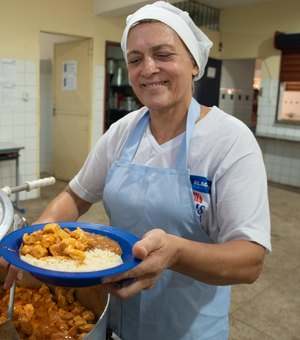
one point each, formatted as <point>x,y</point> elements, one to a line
<point>164,56</point>
<point>133,60</point>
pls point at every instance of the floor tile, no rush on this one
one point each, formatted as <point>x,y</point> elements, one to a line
<point>241,331</point>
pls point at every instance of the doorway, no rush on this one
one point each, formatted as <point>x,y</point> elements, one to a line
<point>63,122</point>
<point>236,88</point>
<point>207,88</point>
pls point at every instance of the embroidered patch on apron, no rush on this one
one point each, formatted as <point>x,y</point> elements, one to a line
<point>201,190</point>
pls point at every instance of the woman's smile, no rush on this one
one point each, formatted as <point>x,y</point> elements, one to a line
<point>154,85</point>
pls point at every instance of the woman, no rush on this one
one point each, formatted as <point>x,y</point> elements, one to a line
<point>187,179</point>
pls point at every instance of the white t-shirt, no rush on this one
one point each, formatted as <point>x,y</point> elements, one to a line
<point>227,173</point>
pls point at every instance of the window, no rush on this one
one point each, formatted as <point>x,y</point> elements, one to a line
<point>288,107</point>
<point>289,102</point>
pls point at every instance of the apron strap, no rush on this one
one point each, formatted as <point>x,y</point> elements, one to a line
<point>192,116</point>
<point>134,138</point>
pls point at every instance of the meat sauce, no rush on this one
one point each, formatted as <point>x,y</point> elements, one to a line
<point>40,314</point>
<point>104,243</point>
<point>52,240</point>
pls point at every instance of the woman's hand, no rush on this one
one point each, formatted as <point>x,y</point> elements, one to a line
<point>12,273</point>
<point>231,262</point>
<point>157,252</point>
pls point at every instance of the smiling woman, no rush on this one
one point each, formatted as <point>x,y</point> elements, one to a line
<point>160,71</point>
<point>177,175</point>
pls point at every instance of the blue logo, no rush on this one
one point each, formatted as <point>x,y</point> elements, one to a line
<point>201,184</point>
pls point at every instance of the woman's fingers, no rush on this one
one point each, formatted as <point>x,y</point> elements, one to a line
<point>3,264</point>
<point>139,251</point>
<point>12,273</point>
<point>124,289</point>
<point>152,240</point>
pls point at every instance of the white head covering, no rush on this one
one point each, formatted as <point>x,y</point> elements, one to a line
<point>195,40</point>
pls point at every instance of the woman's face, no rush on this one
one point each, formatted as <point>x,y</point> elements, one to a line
<point>160,68</point>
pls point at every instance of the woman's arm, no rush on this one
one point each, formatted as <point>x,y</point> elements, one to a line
<point>67,206</point>
<point>232,262</point>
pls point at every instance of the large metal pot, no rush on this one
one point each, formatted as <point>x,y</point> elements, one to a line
<point>92,298</point>
<point>97,301</point>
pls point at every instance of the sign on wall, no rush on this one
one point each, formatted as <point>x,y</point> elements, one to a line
<point>69,76</point>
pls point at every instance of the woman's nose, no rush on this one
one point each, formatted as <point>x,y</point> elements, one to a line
<point>149,67</point>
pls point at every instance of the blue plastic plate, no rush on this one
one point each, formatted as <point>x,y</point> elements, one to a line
<point>71,279</point>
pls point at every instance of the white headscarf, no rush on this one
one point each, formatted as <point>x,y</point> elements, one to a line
<point>195,40</point>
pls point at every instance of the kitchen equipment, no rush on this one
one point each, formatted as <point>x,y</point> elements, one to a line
<point>128,104</point>
<point>96,300</point>
<point>7,329</point>
<point>91,297</point>
<point>6,213</point>
<point>6,206</point>
<point>120,76</point>
<point>72,279</point>
<point>111,65</point>
<point>7,216</point>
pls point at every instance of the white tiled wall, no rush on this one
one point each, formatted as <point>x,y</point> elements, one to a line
<point>236,89</point>
<point>18,124</point>
<point>282,160</point>
<point>266,121</point>
<point>237,102</point>
<point>280,142</point>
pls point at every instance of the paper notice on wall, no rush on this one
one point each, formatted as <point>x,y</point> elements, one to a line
<point>211,72</point>
<point>69,75</point>
<point>8,95</point>
<point>8,80</point>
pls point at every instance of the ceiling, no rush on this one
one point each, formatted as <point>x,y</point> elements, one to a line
<point>124,7</point>
<point>229,3</point>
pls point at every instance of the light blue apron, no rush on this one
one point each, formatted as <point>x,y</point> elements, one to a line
<point>139,198</point>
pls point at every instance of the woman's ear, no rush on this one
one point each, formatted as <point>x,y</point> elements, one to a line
<point>195,71</point>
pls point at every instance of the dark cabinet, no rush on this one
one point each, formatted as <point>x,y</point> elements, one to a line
<point>120,98</point>
<point>207,88</point>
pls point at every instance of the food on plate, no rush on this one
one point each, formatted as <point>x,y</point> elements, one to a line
<point>41,314</point>
<point>74,251</point>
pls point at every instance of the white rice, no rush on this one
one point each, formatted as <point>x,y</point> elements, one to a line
<point>96,259</point>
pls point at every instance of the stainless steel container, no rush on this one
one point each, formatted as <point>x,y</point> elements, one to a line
<point>97,301</point>
<point>93,298</point>
<point>6,213</point>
